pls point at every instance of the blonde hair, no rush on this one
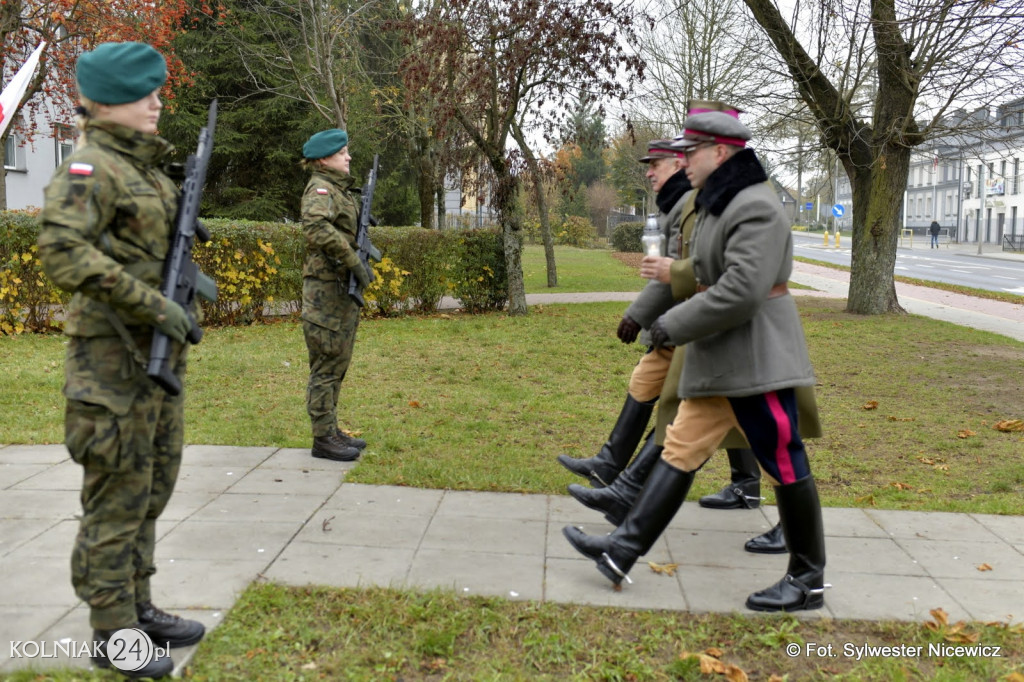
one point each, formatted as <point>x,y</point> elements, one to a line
<point>86,109</point>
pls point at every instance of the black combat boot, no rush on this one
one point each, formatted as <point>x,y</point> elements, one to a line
<point>604,467</point>
<point>159,666</point>
<point>803,586</point>
<point>327,447</point>
<point>349,441</point>
<point>659,501</point>
<point>744,492</point>
<point>616,500</point>
<point>769,542</point>
<point>166,629</point>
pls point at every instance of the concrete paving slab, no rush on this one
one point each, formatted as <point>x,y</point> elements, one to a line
<point>36,581</point>
<point>695,517</point>
<point>285,482</point>
<point>511,576</point>
<point>39,504</point>
<point>845,522</point>
<point>365,530</point>
<point>714,589</point>
<point>877,556</point>
<point>1009,528</point>
<point>225,455</point>
<point>66,475</point>
<point>13,474</point>
<point>867,596</point>
<point>15,532</point>
<point>493,505</point>
<point>485,534</point>
<point>944,526</point>
<point>988,600</point>
<point>25,623</point>
<point>33,454</point>
<point>209,479</point>
<point>964,559</point>
<point>184,504</point>
<point>719,548</point>
<point>238,506</point>
<point>387,500</point>
<point>202,583</point>
<point>54,542</point>
<point>577,581</point>
<point>238,540</point>
<point>307,563</point>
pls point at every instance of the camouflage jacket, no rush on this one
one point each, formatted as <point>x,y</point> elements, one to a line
<point>106,227</point>
<point>330,210</point>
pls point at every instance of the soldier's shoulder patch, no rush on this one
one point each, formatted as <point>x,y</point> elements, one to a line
<point>322,190</point>
<point>79,168</point>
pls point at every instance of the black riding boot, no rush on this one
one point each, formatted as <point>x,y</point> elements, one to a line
<point>803,587</point>
<point>744,491</point>
<point>769,542</point>
<point>616,500</point>
<point>604,467</point>
<point>659,501</point>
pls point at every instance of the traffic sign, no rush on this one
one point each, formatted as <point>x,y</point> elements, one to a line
<point>838,210</point>
<point>809,205</point>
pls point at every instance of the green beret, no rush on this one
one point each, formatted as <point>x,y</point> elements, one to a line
<point>325,143</point>
<point>118,73</point>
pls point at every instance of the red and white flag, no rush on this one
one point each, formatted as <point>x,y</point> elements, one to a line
<point>13,92</point>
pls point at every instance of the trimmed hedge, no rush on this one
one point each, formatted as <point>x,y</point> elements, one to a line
<point>258,267</point>
<point>626,237</point>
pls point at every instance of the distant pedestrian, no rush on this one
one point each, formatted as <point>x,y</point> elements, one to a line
<point>933,230</point>
<point>330,213</point>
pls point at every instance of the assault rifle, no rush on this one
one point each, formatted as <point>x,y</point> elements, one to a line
<point>364,248</point>
<point>182,278</point>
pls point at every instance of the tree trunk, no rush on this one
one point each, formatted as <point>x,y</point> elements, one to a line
<point>508,217</point>
<point>542,204</point>
<point>877,200</point>
<point>439,196</point>
<point>3,188</point>
<point>426,192</point>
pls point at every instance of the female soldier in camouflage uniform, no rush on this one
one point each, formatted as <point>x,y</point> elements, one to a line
<point>330,211</point>
<point>106,228</point>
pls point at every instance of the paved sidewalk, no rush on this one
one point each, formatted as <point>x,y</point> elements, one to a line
<point>242,513</point>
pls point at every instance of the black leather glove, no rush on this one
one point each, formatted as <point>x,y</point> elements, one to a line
<point>659,337</point>
<point>628,329</point>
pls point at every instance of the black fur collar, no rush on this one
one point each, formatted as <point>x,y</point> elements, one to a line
<point>675,187</point>
<point>736,174</point>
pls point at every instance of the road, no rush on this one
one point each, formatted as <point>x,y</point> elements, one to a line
<point>954,264</point>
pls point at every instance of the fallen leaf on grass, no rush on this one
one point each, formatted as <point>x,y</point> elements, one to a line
<point>663,569</point>
<point>870,405</point>
<point>1008,425</point>
<point>893,418</point>
<point>714,651</point>
<point>414,403</point>
<point>712,666</point>
<point>965,433</point>
<point>1015,677</point>
<point>866,499</point>
<point>941,619</point>
<point>984,567</point>
<point>901,486</point>
<point>309,666</point>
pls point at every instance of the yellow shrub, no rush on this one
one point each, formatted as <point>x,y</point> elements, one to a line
<point>243,278</point>
<point>385,291</point>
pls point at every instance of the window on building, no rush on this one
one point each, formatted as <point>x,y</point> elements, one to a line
<point>928,208</point>
<point>1015,180</point>
<point>14,153</point>
<point>920,207</point>
<point>64,142</point>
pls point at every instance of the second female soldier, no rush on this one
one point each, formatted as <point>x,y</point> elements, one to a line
<point>330,211</point>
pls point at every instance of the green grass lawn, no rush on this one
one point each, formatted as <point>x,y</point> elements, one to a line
<point>578,270</point>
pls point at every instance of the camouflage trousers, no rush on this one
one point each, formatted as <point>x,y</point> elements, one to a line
<point>128,435</point>
<point>329,322</point>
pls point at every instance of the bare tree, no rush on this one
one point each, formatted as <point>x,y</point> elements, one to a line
<point>699,49</point>
<point>879,78</point>
<point>496,63</point>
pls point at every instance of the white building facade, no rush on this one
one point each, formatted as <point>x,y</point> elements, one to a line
<point>29,165</point>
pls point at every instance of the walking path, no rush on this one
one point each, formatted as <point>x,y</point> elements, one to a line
<point>245,513</point>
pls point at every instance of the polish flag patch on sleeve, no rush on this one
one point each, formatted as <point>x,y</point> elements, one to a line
<point>80,169</point>
<point>322,190</point>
